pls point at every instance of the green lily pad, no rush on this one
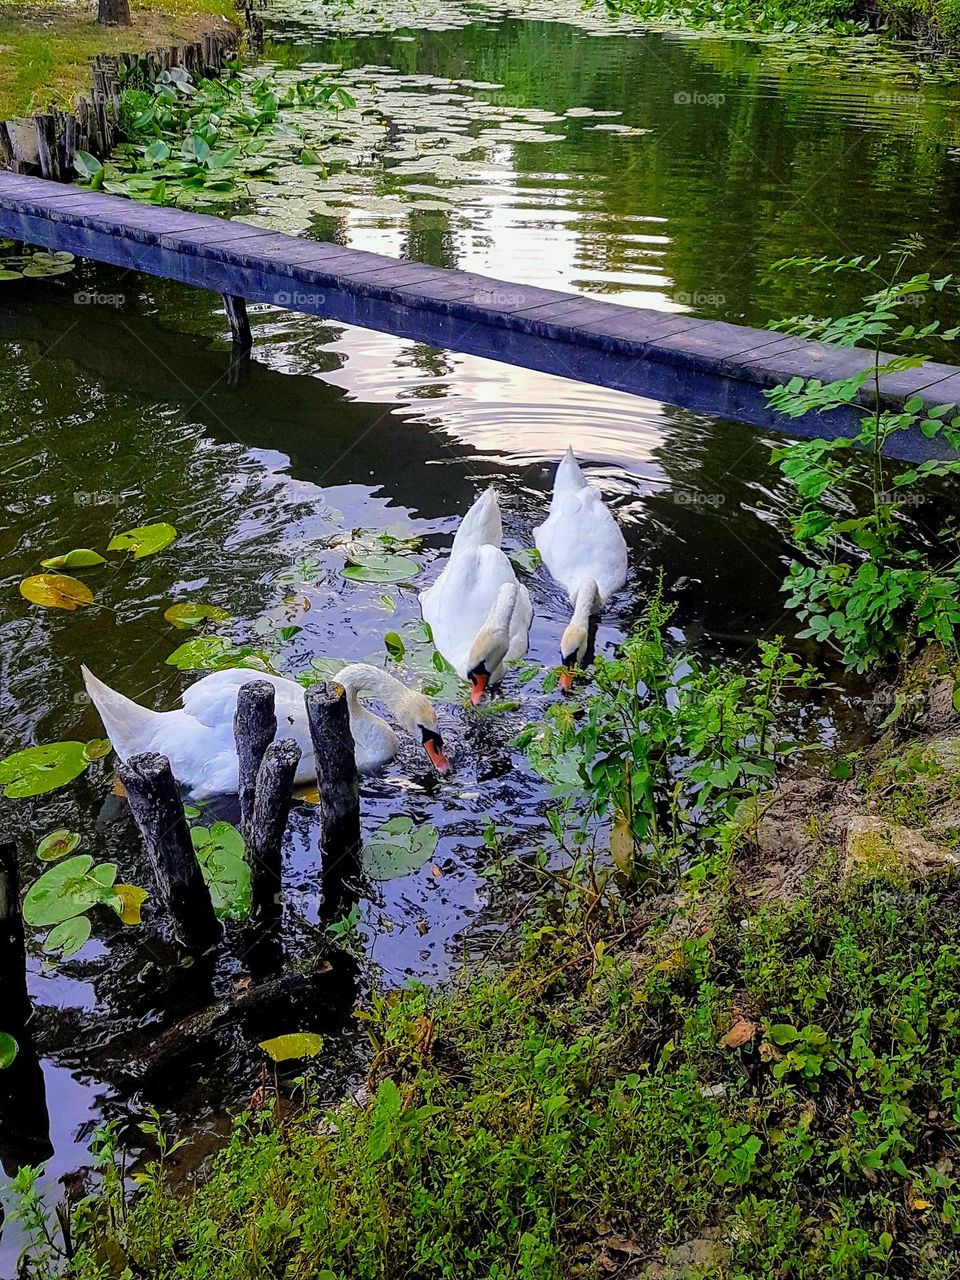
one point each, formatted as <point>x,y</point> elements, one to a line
<point>298,1044</point>
<point>380,568</point>
<point>399,848</point>
<point>221,854</point>
<point>146,540</point>
<point>8,1050</point>
<point>189,615</point>
<point>79,558</point>
<point>213,653</point>
<point>69,936</point>
<point>68,889</point>
<point>36,770</point>
<point>528,560</point>
<point>57,845</point>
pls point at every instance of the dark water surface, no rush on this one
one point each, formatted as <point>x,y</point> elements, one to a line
<point>121,412</point>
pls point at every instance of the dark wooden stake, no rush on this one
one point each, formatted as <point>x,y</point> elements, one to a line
<point>13,956</point>
<point>254,728</point>
<point>158,811</point>
<point>48,152</point>
<point>111,13</point>
<point>236,309</point>
<point>274,793</point>
<point>339,786</point>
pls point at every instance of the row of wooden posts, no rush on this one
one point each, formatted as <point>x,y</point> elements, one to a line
<point>48,142</point>
<point>268,768</point>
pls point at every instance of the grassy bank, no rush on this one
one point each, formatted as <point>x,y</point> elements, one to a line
<point>713,1082</point>
<point>45,50</point>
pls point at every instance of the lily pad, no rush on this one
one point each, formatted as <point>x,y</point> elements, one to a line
<point>97,748</point>
<point>146,540</point>
<point>398,848</point>
<point>56,591</point>
<point>68,936</point>
<point>221,854</point>
<point>380,568</point>
<point>8,1050</point>
<point>191,614</point>
<point>528,560</point>
<point>79,558</point>
<point>127,902</point>
<point>68,889</point>
<point>297,1044</point>
<point>36,770</point>
<point>57,845</point>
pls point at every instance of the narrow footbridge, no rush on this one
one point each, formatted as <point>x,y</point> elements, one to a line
<point>703,365</point>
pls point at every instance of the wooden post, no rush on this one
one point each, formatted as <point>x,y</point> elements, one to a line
<point>6,148</point>
<point>236,309</point>
<point>274,792</point>
<point>158,811</point>
<point>111,13</point>
<point>254,728</point>
<point>13,956</point>
<point>339,786</point>
<point>47,151</point>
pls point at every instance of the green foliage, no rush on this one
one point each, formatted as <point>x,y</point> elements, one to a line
<point>865,587</point>
<point>583,1103</point>
<point>665,748</point>
<point>222,856</point>
<point>787,16</point>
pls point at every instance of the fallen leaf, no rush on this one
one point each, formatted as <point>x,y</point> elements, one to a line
<point>131,899</point>
<point>741,1031</point>
<point>308,795</point>
<point>117,788</point>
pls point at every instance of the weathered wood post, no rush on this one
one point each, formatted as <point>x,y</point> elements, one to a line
<point>254,728</point>
<point>158,811</point>
<point>274,793</point>
<point>13,955</point>
<point>24,1118</point>
<point>236,309</point>
<point>339,786</point>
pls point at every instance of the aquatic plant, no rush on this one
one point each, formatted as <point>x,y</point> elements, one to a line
<point>864,586</point>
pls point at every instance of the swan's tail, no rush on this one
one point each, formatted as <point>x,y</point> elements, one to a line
<point>481,524</point>
<point>129,726</point>
<point>569,477</point>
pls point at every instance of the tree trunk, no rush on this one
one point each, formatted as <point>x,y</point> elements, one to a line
<point>114,13</point>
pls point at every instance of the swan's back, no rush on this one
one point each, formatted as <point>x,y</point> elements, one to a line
<point>458,603</point>
<point>580,539</point>
<point>481,525</point>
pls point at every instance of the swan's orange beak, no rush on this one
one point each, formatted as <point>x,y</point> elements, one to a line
<point>565,679</point>
<point>437,758</point>
<point>479,683</point>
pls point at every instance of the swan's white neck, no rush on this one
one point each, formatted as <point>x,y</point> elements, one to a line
<point>586,601</point>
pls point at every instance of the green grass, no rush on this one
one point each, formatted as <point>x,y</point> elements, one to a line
<point>46,50</point>
<point>582,1110</point>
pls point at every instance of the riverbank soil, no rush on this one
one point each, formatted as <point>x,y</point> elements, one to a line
<point>46,50</point>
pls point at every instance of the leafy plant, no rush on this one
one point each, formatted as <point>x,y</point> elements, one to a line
<point>665,749</point>
<point>864,587</point>
<point>222,856</point>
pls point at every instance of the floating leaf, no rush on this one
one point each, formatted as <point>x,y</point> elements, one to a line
<point>298,1044</point>
<point>36,770</point>
<point>128,901</point>
<point>380,568</point>
<point>57,844</point>
<point>97,748</point>
<point>86,165</point>
<point>395,646</point>
<point>146,540</point>
<point>221,854</point>
<point>186,616</point>
<point>398,848</point>
<point>214,653</point>
<point>8,1050</point>
<point>68,889</point>
<point>79,558</point>
<point>56,591</point>
<point>527,561</point>
<point>69,936</point>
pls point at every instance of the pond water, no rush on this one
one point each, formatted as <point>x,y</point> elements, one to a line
<point>463,151</point>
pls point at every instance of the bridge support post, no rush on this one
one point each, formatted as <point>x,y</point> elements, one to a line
<point>236,309</point>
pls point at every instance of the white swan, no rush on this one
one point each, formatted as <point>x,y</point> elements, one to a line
<point>582,546</point>
<point>478,612</point>
<point>198,738</point>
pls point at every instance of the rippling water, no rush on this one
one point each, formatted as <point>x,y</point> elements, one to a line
<point>116,415</point>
